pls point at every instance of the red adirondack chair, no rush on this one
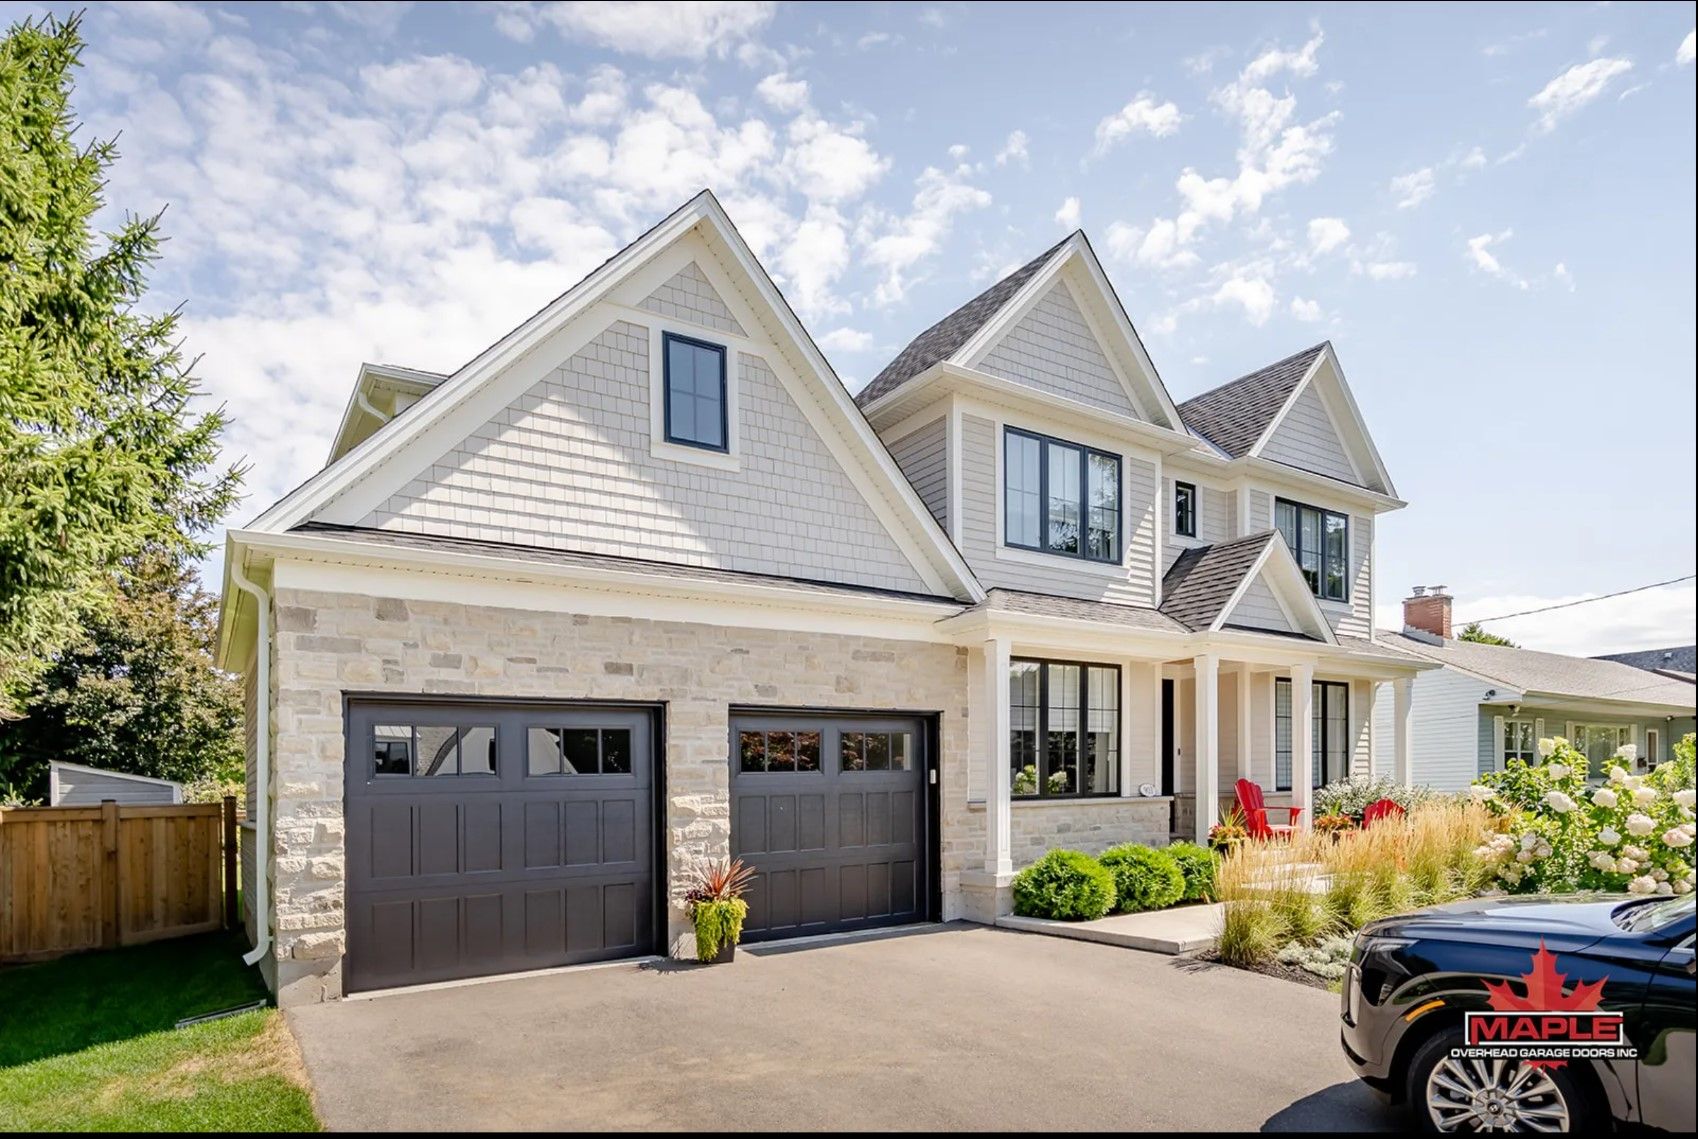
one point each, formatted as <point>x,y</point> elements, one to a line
<point>1256,813</point>
<point>1381,809</point>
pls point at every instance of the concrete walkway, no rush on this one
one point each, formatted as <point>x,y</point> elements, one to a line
<point>942,1028</point>
<point>1182,929</point>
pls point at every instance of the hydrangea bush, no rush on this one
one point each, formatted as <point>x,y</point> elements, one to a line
<point>1559,833</point>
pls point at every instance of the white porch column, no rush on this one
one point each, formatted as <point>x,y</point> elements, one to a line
<point>1246,769</point>
<point>999,820</point>
<point>1376,746</point>
<point>1402,730</point>
<point>1126,732</point>
<point>1207,745</point>
<point>1303,740</point>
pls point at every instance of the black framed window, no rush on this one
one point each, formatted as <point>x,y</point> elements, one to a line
<point>577,751</point>
<point>1064,729</point>
<point>1320,541</point>
<point>428,750</point>
<point>1330,737</point>
<point>779,752</point>
<point>1185,509</point>
<point>695,392</point>
<point>1060,498</point>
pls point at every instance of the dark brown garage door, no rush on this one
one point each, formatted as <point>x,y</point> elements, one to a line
<point>831,812</point>
<point>489,838</point>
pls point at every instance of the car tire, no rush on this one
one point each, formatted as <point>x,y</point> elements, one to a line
<point>1556,1090</point>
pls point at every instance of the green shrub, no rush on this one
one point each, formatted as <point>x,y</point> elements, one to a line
<point>1064,884</point>
<point>1197,864</point>
<point>1144,878</point>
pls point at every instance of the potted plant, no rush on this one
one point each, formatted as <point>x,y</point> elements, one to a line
<point>1225,835</point>
<point>1334,825</point>
<point>716,907</point>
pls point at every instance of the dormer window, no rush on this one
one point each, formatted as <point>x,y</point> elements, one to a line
<point>1060,498</point>
<point>695,392</point>
<point>1320,541</point>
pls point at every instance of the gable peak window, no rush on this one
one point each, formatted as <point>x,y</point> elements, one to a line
<point>1320,541</point>
<point>1060,498</point>
<point>1184,509</point>
<point>695,392</point>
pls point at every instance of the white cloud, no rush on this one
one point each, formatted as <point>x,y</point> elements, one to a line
<point>656,29</point>
<point>1653,619</point>
<point>1014,150</point>
<point>1473,160</point>
<point>1413,188</point>
<point>1574,88</point>
<point>903,242</point>
<point>783,93</point>
<point>1688,48</point>
<point>1563,276</point>
<point>845,340</point>
<point>424,82</point>
<point>831,163</point>
<point>1327,234</point>
<point>1305,310</point>
<point>1481,257</point>
<point>1254,294</point>
<point>1068,215</point>
<point>1141,115</point>
<point>1388,270</point>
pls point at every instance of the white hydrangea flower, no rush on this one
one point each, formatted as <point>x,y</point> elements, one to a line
<point>1642,885</point>
<point>1543,850</point>
<point>1511,874</point>
<point>1559,802</point>
<point>1524,856</point>
<point>1618,775</point>
<point>1676,837</point>
<point>1665,889</point>
<point>1609,836</point>
<point>1686,797</point>
<point>1629,752</point>
<point>1645,796</point>
<point>1547,747</point>
<point>1625,866</point>
<point>1641,825</point>
<point>1604,797</point>
<point>1683,887</point>
<point>1638,852</point>
<point>1529,841</point>
<point>1479,792</point>
<point>1602,860</point>
<point>1558,770</point>
<point>1660,874</point>
<point>1633,782</point>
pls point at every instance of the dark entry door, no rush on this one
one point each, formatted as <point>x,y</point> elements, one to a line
<point>488,838</point>
<point>831,813</point>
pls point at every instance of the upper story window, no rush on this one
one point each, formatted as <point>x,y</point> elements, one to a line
<point>1061,498</point>
<point>1320,541</point>
<point>1184,510</point>
<point>695,392</point>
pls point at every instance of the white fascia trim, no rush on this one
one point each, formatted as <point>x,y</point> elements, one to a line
<point>1111,300</point>
<point>68,766</point>
<point>1600,706</point>
<point>1045,632</point>
<point>1272,470</point>
<point>1358,423</point>
<point>499,571</point>
<point>1029,400</point>
<point>1015,307</point>
<point>1285,408</point>
<point>1286,581</point>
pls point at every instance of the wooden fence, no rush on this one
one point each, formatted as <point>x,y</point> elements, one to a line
<point>74,878</point>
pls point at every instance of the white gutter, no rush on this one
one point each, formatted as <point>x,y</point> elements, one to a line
<point>262,762</point>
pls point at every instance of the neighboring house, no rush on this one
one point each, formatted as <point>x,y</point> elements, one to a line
<point>1491,703</point>
<point>641,585</point>
<point>1680,662</point>
<point>73,785</point>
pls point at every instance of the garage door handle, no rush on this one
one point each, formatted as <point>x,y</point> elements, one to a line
<point>934,776</point>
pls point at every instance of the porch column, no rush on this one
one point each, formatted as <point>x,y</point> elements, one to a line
<point>998,816</point>
<point>1246,768</point>
<point>1375,744</point>
<point>1207,748</point>
<point>1402,730</point>
<point>1303,740</point>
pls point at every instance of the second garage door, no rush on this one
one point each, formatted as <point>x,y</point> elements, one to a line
<point>831,812</point>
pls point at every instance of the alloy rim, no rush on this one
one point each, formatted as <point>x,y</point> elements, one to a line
<point>1494,1095</point>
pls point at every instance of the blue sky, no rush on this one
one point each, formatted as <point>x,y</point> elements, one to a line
<point>1488,209</point>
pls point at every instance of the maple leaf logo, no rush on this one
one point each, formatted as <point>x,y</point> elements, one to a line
<point>1544,994</point>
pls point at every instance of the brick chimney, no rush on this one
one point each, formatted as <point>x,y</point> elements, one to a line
<point>1428,609</point>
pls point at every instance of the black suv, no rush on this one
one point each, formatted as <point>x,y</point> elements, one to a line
<point>1413,979</point>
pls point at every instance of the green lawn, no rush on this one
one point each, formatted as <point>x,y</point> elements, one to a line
<point>88,1043</point>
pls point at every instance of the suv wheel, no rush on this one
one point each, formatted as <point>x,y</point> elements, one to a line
<point>1461,1095</point>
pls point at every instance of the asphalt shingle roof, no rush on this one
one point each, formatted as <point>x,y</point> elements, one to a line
<point>941,340</point>
<point>1050,605</point>
<point>1683,658</point>
<point>1234,415</point>
<point>1202,580</point>
<point>1552,674</point>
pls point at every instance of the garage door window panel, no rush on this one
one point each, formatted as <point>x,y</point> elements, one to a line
<point>430,750</point>
<point>876,751</point>
<point>779,753</point>
<point>578,751</point>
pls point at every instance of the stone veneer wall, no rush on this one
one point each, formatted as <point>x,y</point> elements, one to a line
<point>331,643</point>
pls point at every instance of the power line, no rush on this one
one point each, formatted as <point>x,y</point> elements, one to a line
<point>1584,600</point>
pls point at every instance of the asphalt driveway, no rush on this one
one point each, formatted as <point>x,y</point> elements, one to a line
<point>953,1027</point>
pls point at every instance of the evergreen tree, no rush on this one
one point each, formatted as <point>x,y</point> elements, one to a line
<point>1476,632</point>
<point>102,459</point>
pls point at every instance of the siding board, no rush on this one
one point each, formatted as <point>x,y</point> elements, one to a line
<point>1053,349</point>
<point>1307,439</point>
<point>924,459</point>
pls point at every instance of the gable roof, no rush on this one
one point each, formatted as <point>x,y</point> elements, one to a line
<point>1205,584</point>
<point>413,442</point>
<point>1682,658</point>
<point>1235,415</point>
<point>943,339</point>
<point>1551,674</point>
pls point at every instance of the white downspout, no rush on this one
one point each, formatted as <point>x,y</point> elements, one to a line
<point>368,407</point>
<point>262,764</point>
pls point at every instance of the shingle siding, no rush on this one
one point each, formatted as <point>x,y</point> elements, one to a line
<point>1053,349</point>
<point>1307,439</point>
<point>1215,512</point>
<point>1066,576</point>
<point>924,459</point>
<point>568,466</point>
<point>1258,609</point>
<point>690,296</point>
